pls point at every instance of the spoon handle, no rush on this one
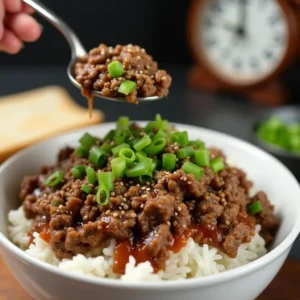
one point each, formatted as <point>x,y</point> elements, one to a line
<point>75,44</point>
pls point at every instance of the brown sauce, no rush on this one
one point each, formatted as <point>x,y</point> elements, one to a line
<point>41,226</point>
<point>90,99</point>
<point>125,248</point>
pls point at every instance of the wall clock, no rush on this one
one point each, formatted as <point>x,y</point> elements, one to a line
<point>243,46</point>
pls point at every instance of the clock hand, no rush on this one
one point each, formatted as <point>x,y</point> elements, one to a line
<point>241,30</point>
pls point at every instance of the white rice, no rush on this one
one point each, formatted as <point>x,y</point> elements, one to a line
<point>192,261</point>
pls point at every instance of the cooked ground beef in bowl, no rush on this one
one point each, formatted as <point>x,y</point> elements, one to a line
<point>151,189</point>
<point>122,71</point>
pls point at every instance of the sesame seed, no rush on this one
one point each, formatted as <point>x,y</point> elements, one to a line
<point>125,195</point>
<point>133,215</point>
<point>113,194</point>
<point>189,182</point>
<point>148,189</point>
<point>168,222</point>
<point>179,208</point>
<point>123,212</point>
<point>120,207</point>
<point>108,212</point>
<point>122,183</point>
<point>148,183</point>
<point>115,215</point>
<point>174,223</point>
<point>142,206</point>
<point>126,207</point>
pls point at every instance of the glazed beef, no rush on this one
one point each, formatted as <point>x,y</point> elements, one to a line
<point>153,214</point>
<point>92,72</point>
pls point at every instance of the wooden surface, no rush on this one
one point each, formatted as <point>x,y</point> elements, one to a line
<point>286,285</point>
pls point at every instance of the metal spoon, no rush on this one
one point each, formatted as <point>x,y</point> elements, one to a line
<point>77,50</point>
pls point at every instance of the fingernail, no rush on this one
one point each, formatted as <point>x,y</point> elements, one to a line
<point>42,27</point>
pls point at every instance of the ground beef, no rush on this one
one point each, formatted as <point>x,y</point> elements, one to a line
<point>92,72</point>
<point>153,214</point>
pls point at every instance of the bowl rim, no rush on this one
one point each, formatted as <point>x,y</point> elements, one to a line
<point>158,285</point>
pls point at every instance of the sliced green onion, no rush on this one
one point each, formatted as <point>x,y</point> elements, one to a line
<point>140,155</point>
<point>121,135</point>
<point>127,87</point>
<point>180,137</point>
<point>140,168</point>
<point>106,179</point>
<point>116,150</point>
<point>128,155</point>
<point>78,171</point>
<point>185,152</point>
<point>255,207</point>
<point>55,202</point>
<point>190,168</point>
<point>103,195</point>
<point>97,156</point>
<point>110,135</point>
<point>201,157</point>
<point>87,140</point>
<point>81,151</point>
<point>54,179</point>
<point>197,144</point>
<point>91,175</point>
<point>118,166</point>
<point>217,165</point>
<point>156,147</point>
<point>115,69</point>
<point>156,164</point>
<point>146,177</point>
<point>123,122</point>
<point>87,189</point>
<point>160,134</point>
<point>169,161</point>
<point>106,147</point>
<point>142,143</point>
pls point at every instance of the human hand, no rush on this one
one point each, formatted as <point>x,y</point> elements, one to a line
<point>16,26</point>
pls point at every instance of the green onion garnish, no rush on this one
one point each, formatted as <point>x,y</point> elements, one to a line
<point>190,168</point>
<point>157,146</point>
<point>116,150</point>
<point>115,69</point>
<point>185,152</point>
<point>201,157</point>
<point>127,87</point>
<point>123,122</point>
<point>181,138</point>
<point>106,147</point>
<point>55,202</point>
<point>168,161</point>
<point>255,207</point>
<point>103,195</point>
<point>140,155</point>
<point>78,171</point>
<point>109,136</point>
<point>128,155</point>
<point>146,177</point>
<point>197,144</point>
<point>54,179</point>
<point>121,135</point>
<point>160,134</point>
<point>118,166</point>
<point>106,179</point>
<point>91,175</point>
<point>97,156</point>
<point>87,189</point>
<point>140,168</point>
<point>142,143</point>
<point>87,140</point>
<point>217,165</point>
<point>81,151</point>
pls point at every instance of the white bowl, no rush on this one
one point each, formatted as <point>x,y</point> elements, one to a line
<point>44,281</point>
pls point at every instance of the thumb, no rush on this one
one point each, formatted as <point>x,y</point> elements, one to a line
<point>2,15</point>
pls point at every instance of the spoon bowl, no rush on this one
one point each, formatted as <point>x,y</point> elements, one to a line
<point>77,50</point>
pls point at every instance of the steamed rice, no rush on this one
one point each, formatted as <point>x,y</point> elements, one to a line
<point>192,261</point>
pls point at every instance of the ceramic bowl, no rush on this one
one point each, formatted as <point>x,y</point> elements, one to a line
<point>288,114</point>
<point>44,281</point>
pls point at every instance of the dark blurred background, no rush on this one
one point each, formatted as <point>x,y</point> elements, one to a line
<point>160,27</point>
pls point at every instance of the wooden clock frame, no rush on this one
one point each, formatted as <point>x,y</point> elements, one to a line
<point>269,90</point>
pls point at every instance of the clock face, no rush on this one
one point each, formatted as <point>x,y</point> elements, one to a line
<point>243,41</point>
